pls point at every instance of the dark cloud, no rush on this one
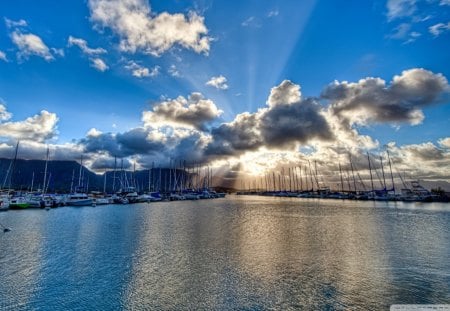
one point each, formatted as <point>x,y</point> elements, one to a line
<point>236,137</point>
<point>136,141</point>
<point>370,100</point>
<point>133,142</point>
<point>288,120</point>
<point>298,122</point>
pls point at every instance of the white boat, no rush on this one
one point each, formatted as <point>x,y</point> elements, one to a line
<point>4,203</point>
<point>79,199</point>
<point>41,201</point>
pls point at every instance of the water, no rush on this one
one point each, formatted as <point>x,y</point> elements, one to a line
<point>251,253</point>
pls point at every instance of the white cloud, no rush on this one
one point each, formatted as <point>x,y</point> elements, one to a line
<point>194,111</point>
<point>15,24</point>
<point>99,64</point>
<point>219,82</point>
<point>141,30</point>
<point>444,2</point>
<point>38,128</point>
<point>141,71</point>
<point>439,28</point>
<point>403,32</point>
<point>173,71</point>
<point>3,56</point>
<point>93,132</point>
<point>251,22</point>
<point>82,44</point>
<point>444,142</point>
<point>285,93</point>
<point>30,44</point>
<point>400,8</point>
<point>273,13</point>
<point>4,114</point>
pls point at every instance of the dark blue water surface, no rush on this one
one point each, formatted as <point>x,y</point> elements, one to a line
<point>252,253</point>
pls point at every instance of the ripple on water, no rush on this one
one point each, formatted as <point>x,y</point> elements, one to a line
<point>235,253</point>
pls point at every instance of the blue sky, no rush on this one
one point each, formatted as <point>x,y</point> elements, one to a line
<point>251,46</point>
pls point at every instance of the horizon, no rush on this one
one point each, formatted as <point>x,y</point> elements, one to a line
<point>247,89</point>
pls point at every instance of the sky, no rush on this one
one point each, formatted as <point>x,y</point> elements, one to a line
<point>246,87</point>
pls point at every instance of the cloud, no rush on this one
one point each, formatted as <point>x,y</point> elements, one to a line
<point>285,93</point>
<point>141,71</point>
<point>82,44</point>
<point>444,142</point>
<point>4,114</point>
<point>438,29</point>
<point>236,137</point>
<point>141,30</point>
<point>403,32</point>
<point>99,64</point>
<point>251,22</point>
<point>30,44</point>
<point>3,56</point>
<point>133,142</point>
<point>299,122</point>
<point>173,71</point>
<point>15,24</point>
<point>424,151</point>
<point>444,2</point>
<point>273,13</point>
<point>289,120</point>
<point>371,101</point>
<point>195,111</point>
<point>38,128</point>
<point>400,8</point>
<point>219,82</point>
<point>433,161</point>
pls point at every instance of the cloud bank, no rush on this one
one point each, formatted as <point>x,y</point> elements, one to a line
<point>289,129</point>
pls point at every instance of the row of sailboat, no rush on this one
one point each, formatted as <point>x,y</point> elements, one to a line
<point>179,184</point>
<point>305,181</point>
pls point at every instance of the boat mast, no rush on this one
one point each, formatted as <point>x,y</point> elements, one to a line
<point>45,172</point>
<point>79,175</point>
<point>382,172</point>
<point>370,170</point>
<point>353,172</point>
<point>114,175</point>
<point>390,168</point>
<point>11,167</point>
<point>104,182</point>
<point>311,176</point>
<point>32,182</point>
<point>71,183</point>
<point>342,181</point>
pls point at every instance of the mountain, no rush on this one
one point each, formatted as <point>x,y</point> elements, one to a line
<point>62,176</point>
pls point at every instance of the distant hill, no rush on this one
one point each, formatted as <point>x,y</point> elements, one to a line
<point>61,175</point>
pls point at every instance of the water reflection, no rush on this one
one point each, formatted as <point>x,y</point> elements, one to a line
<point>234,253</point>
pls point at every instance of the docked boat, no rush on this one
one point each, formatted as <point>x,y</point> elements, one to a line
<point>18,202</point>
<point>79,199</point>
<point>4,203</point>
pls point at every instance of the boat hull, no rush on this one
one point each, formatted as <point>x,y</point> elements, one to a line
<point>83,202</point>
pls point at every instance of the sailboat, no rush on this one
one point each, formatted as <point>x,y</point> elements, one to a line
<point>79,198</point>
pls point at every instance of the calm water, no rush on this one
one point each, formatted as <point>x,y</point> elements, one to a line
<point>250,253</point>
